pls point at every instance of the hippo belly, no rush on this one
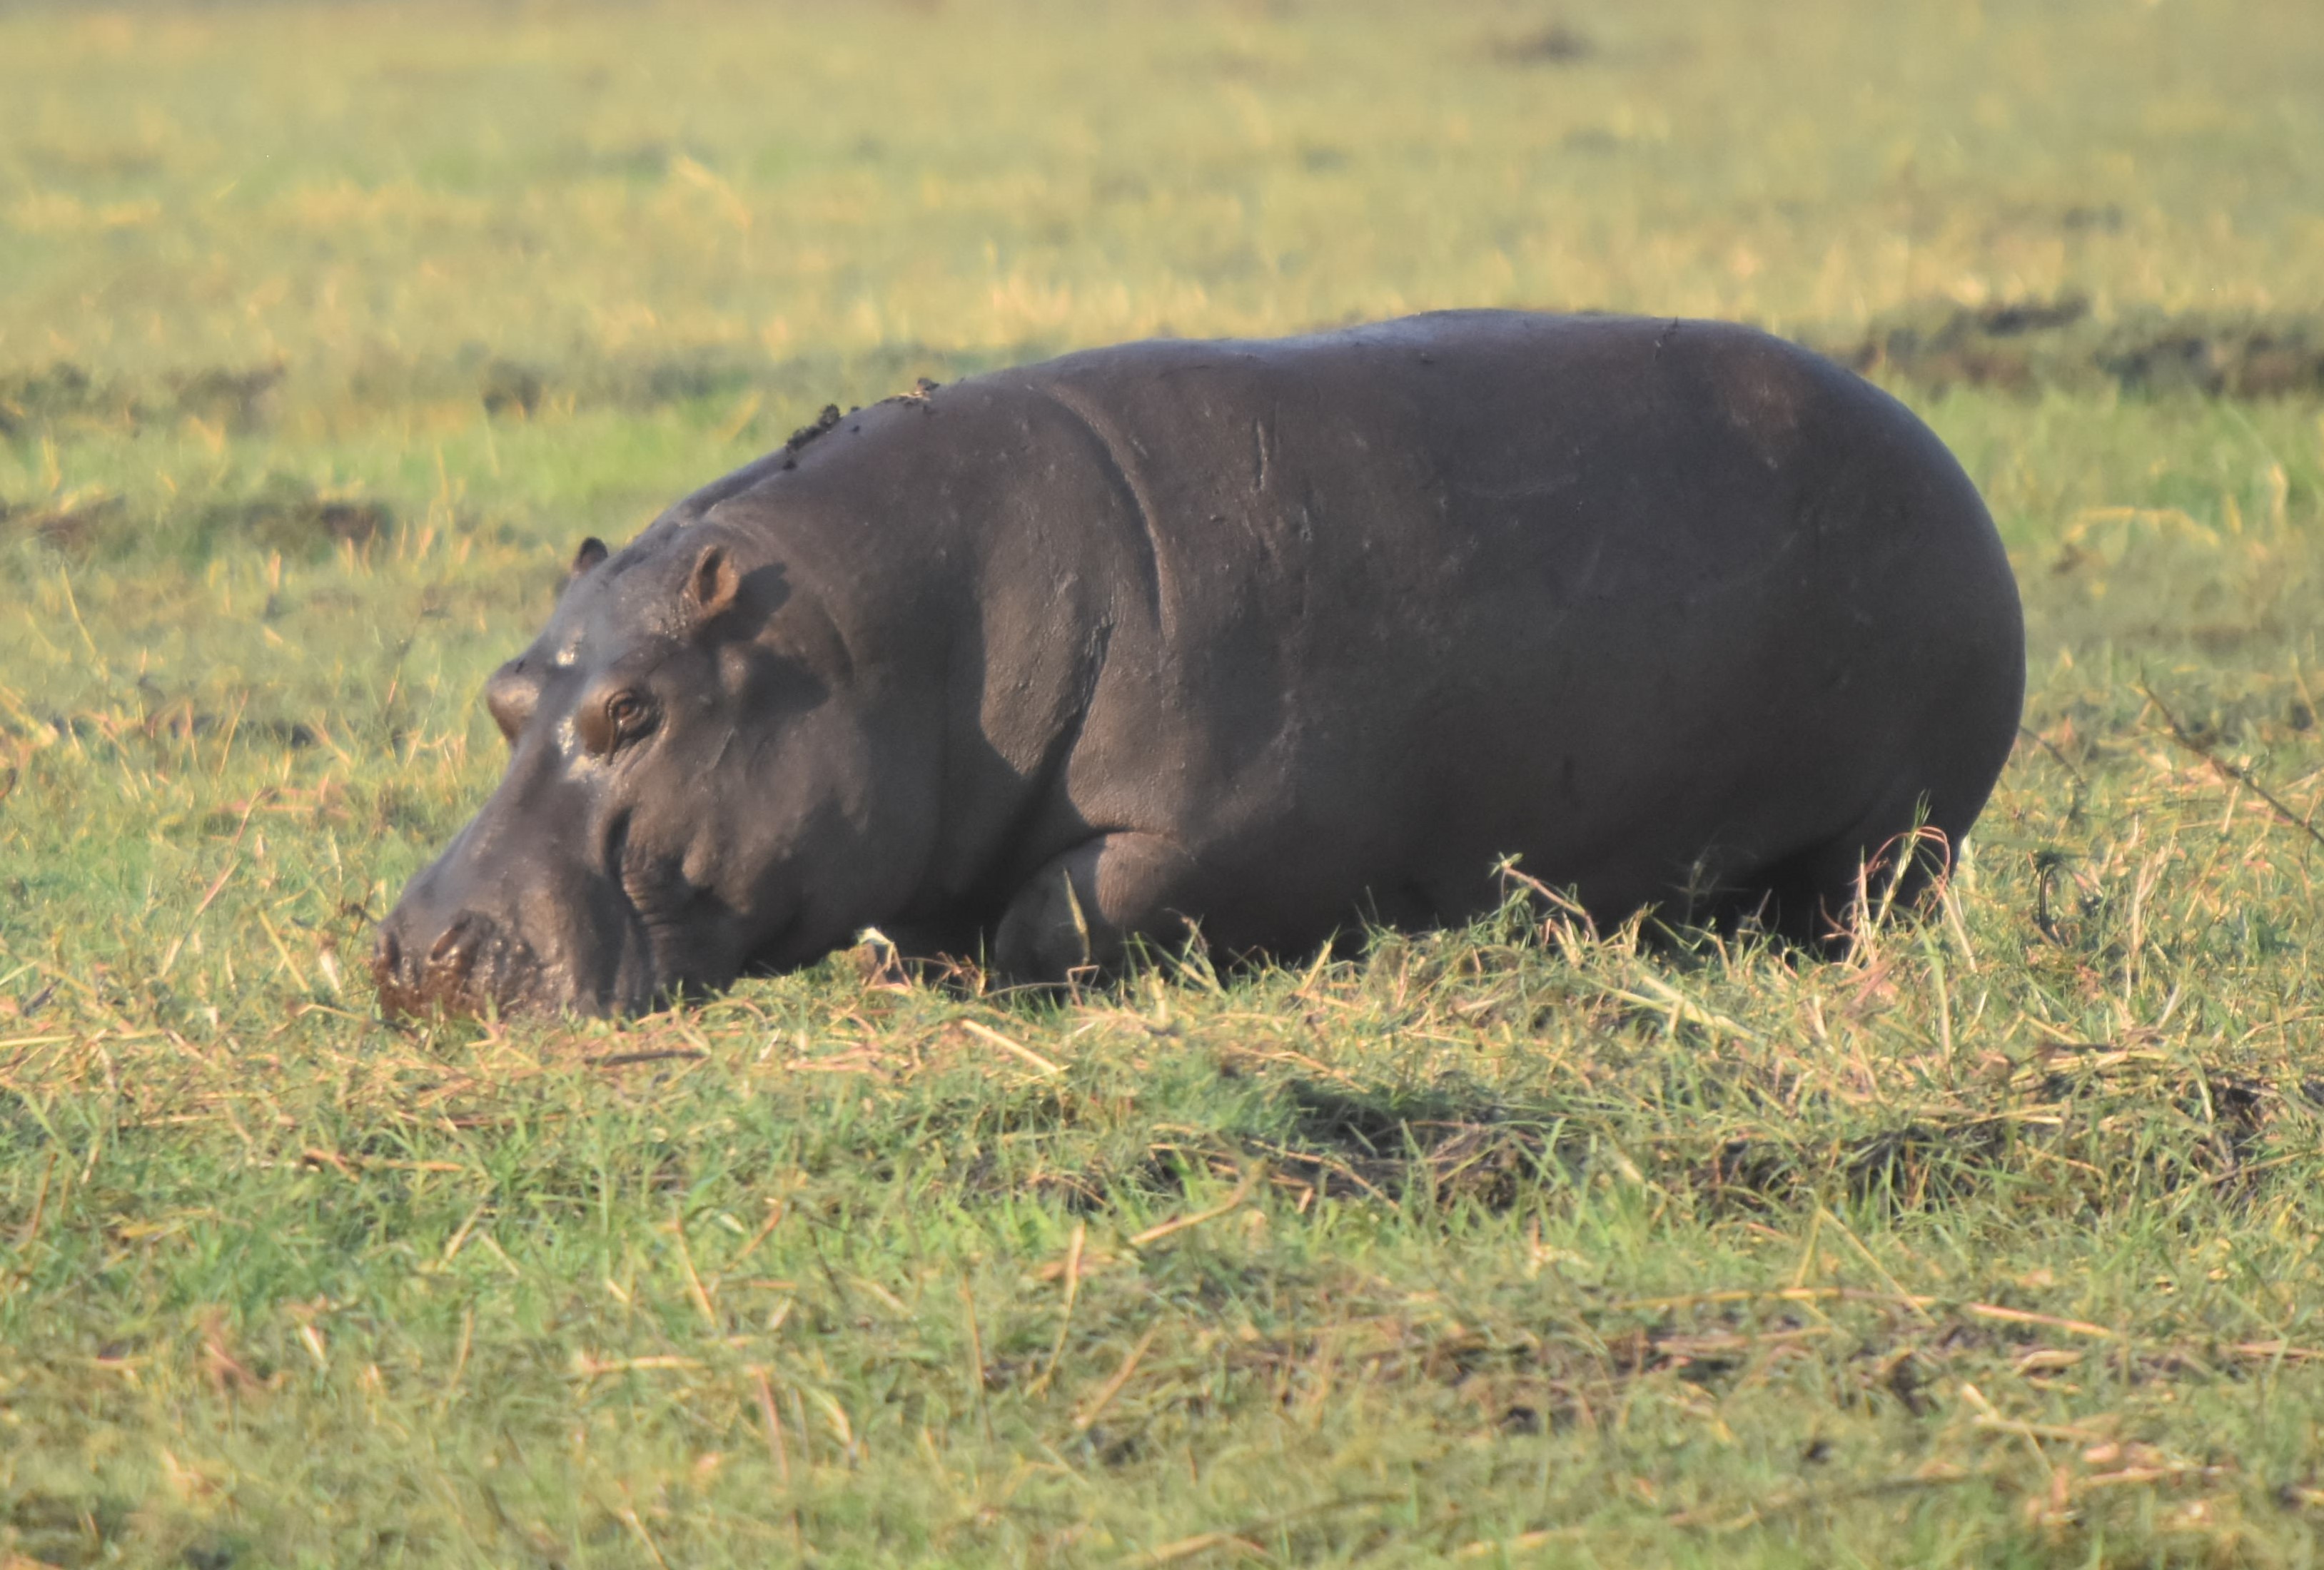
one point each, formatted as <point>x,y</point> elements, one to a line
<point>1266,639</point>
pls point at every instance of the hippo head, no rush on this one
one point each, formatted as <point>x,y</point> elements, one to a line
<point>688,797</point>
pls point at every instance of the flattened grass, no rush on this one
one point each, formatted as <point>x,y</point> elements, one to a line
<point>324,333</point>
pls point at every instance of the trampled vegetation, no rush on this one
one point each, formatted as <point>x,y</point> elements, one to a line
<point>325,331</point>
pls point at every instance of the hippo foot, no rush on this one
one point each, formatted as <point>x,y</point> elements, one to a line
<point>1077,915</point>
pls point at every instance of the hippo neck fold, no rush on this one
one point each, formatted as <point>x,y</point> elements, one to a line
<point>977,552</point>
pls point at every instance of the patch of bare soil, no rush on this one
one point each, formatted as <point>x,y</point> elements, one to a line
<point>1559,43</point>
<point>292,517</point>
<point>2022,345</point>
<point>72,523</point>
<point>232,398</point>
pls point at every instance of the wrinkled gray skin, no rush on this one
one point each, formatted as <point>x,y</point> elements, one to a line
<point>1275,637</point>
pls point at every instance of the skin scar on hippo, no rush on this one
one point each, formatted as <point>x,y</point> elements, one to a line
<point>1263,638</point>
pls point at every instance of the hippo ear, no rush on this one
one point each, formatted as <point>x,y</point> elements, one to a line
<point>711,587</point>
<point>592,552</point>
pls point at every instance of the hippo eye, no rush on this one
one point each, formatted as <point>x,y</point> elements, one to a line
<point>627,717</point>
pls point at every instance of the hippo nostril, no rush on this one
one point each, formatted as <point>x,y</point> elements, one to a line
<point>455,950</point>
<point>387,955</point>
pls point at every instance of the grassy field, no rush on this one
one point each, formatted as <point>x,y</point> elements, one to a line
<point>325,330</point>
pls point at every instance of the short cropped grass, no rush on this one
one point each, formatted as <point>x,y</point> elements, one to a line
<point>326,331</point>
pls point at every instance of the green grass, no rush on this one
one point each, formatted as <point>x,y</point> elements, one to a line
<point>326,330</point>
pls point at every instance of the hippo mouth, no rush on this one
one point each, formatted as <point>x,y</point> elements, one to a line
<point>628,949</point>
<point>478,966</point>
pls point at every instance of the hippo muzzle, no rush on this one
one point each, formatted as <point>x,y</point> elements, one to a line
<point>491,928</point>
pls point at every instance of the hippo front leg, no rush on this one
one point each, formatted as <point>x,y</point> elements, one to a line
<point>1080,911</point>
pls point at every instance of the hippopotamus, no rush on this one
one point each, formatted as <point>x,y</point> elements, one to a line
<point>1266,641</point>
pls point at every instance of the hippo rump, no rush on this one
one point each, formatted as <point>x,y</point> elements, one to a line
<point>1266,639</point>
